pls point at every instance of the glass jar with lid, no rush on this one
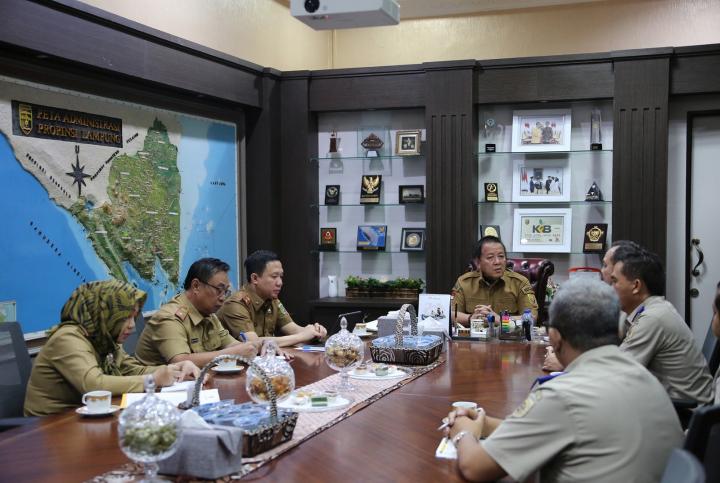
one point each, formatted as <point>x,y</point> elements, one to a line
<point>343,352</point>
<point>277,369</point>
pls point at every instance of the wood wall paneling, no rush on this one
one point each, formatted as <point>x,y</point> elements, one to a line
<point>377,91</point>
<point>640,152</point>
<point>297,189</point>
<point>451,175</point>
<point>695,74</point>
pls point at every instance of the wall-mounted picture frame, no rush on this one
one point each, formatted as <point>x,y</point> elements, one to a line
<point>541,130</point>
<point>413,240</point>
<point>546,230</point>
<point>371,238</point>
<point>541,180</point>
<point>411,193</point>
<point>407,143</point>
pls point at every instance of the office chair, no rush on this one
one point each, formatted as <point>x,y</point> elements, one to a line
<point>683,467</point>
<point>15,369</point>
<point>703,439</point>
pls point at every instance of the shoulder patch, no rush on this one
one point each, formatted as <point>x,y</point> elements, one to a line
<point>281,308</point>
<point>527,289</point>
<point>223,333</point>
<point>527,405</point>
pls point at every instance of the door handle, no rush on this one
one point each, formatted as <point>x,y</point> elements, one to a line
<point>701,257</point>
<point>694,293</point>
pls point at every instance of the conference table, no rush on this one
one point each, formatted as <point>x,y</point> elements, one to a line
<point>392,439</point>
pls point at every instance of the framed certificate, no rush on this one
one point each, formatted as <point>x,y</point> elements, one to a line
<point>542,230</point>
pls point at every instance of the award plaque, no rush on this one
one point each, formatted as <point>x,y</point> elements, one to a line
<point>328,239</point>
<point>595,135</point>
<point>413,240</point>
<point>489,148</point>
<point>491,192</point>
<point>332,194</point>
<point>490,230</point>
<point>372,144</point>
<point>595,236</point>
<point>370,189</point>
<point>411,193</point>
<point>407,143</point>
<point>371,238</point>
<point>594,193</point>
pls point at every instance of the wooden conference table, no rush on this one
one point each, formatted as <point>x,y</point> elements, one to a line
<point>393,439</point>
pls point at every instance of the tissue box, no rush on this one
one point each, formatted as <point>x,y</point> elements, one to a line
<point>206,453</point>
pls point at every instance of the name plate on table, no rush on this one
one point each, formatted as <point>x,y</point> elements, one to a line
<point>370,189</point>
<point>491,192</point>
<point>328,239</point>
<point>332,194</point>
<point>371,237</point>
<point>595,237</point>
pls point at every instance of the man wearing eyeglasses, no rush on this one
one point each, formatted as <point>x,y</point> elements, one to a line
<point>491,287</point>
<point>256,312</point>
<point>186,328</point>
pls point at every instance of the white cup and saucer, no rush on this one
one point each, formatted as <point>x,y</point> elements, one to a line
<point>97,403</point>
<point>227,366</point>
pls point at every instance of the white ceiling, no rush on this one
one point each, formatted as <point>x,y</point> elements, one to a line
<point>444,8</point>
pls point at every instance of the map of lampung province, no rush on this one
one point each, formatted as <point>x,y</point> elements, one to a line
<point>141,222</point>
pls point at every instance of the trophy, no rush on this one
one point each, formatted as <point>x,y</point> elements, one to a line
<point>370,189</point>
<point>332,194</point>
<point>491,192</point>
<point>595,136</point>
<point>328,239</point>
<point>595,236</point>
<point>372,144</point>
<point>334,144</point>
<point>594,193</point>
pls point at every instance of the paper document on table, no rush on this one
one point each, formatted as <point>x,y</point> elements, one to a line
<point>178,386</point>
<point>446,449</point>
<point>206,396</point>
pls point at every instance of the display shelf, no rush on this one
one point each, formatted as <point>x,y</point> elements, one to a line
<point>372,252</point>
<point>530,204</point>
<point>367,158</point>
<point>369,205</point>
<point>545,153</point>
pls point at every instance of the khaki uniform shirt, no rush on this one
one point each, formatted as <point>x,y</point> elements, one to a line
<point>245,311</point>
<point>606,420</point>
<point>178,328</point>
<point>68,366</point>
<point>659,339</point>
<point>511,292</point>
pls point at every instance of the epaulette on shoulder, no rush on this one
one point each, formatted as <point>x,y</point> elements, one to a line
<point>467,275</point>
<point>181,313</point>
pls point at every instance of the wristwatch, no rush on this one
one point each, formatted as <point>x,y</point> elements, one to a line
<point>456,439</point>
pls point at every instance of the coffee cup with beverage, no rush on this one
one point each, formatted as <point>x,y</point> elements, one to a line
<point>97,401</point>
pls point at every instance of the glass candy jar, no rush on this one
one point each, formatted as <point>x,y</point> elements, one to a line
<point>344,351</point>
<point>150,431</point>
<point>277,369</point>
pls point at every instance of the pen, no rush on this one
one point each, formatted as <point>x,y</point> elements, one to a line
<point>445,424</point>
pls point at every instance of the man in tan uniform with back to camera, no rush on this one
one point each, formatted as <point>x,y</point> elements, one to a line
<point>186,328</point>
<point>607,419</point>
<point>255,311</point>
<point>491,287</point>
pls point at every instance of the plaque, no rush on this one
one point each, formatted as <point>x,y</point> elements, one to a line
<point>594,193</point>
<point>413,240</point>
<point>328,239</point>
<point>595,236</point>
<point>332,194</point>
<point>411,193</point>
<point>370,189</point>
<point>490,230</point>
<point>407,143</point>
<point>489,148</point>
<point>491,192</point>
<point>334,144</point>
<point>595,134</point>
<point>371,238</point>
<point>372,144</point>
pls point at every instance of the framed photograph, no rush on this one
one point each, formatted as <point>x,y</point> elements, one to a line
<point>411,193</point>
<point>541,130</point>
<point>371,238</point>
<point>542,230</point>
<point>541,180</point>
<point>407,143</point>
<point>413,240</point>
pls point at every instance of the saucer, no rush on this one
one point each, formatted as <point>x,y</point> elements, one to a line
<point>83,411</point>
<point>228,370</point>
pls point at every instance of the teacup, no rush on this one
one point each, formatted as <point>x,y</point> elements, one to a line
<point>97,401</point>
<point>227,363</point>
<point>468,405</point>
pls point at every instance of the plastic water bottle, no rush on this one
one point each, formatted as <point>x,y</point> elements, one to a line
<point>527,323</point>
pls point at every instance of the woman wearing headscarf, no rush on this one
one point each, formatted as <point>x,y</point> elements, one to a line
<point>84,352</point>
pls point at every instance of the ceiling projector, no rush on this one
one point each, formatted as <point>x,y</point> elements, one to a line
<point>345,14</point>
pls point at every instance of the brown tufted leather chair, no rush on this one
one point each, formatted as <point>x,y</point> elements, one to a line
<point>538,271</point>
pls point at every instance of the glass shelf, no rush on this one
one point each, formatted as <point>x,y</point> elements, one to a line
<point>366,158</point>
<point>545,203</point>
<point>544,153</point>
<point>371,205</point>
<point>544,254</point>
<point>364,251</point>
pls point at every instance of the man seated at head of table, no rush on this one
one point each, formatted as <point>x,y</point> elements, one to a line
<point>491,288</point>
<point>606,419</point>
<point>255,311</point>
<point>84,352</point>
<point>186,328</point>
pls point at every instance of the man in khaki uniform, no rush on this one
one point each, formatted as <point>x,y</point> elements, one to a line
<point>255,312</point>
<point>607,419</point>
<point>186,328</point>
<point>657,336</point>
<point>491,288</point>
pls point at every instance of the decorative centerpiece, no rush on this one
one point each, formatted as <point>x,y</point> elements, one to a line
<point>150,431</point>
<point>412,350</point>
<point>278,371</point>
<point>344,351</point>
